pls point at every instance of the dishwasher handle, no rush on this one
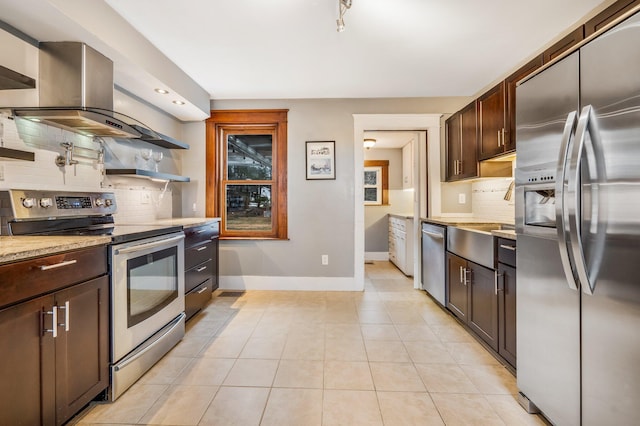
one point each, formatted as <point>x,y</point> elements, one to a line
<point>433,234</point>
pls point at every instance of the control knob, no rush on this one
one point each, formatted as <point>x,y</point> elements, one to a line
<point>28,202</point>
<point>108,202</point>
<point>46,202</point>
<point>99,202</point>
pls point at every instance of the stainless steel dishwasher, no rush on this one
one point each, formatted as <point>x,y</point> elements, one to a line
<point>433,261</point>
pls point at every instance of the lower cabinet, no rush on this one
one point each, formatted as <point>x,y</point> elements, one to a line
<point>201,266</point>
<point>54,347</point>
<point>472,297</point>
<point>507,312</point>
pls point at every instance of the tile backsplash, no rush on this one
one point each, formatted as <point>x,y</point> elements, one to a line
<point>138,200</point>
<point>487,197</point>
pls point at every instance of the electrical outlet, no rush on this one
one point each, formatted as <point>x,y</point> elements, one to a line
<point>325,259</point>
<point>462,198</point>
<point>1,172</point>
<point>194,208</point>
<point>145,198</point>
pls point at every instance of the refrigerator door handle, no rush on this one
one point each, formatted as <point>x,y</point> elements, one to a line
<point>562,218</point>
<point>591,148</point>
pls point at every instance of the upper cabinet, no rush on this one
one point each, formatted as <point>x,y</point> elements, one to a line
<point>510,111</point>
<point>609,14</point>
<point>564,44</point>
<point>491,122</point>
<point>462,160</point>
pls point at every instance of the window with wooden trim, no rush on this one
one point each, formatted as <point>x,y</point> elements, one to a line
<point>376,182</point>
<point>247,173</point>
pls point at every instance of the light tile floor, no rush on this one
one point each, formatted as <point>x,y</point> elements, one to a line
<point>385,356</point>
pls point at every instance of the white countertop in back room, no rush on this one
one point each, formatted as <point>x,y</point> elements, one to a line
<point>14,248</point>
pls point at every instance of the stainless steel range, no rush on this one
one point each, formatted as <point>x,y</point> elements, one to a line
<point>146,265</point>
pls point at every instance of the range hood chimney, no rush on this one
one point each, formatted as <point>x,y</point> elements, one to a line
<point>75,90</point>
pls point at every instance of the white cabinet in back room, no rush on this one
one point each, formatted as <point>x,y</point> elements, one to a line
<point>401,243</point>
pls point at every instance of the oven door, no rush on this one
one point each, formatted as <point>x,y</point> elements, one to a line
<point>147,289</point>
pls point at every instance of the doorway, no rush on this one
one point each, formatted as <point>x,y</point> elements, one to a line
<point>427,127</point>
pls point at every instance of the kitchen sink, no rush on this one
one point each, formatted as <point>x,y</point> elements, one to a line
<point>474,242</point>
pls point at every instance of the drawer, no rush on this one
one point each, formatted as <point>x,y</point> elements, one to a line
<point>196,275</point>
<point>197,298</point>
<point>507,251</point>
<point>202,233</point>
<point>197,254</point>
<point>30,278</point>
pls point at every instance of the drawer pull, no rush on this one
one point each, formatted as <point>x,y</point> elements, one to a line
<point>202,290</point>
<point>200,231</point>
<point>201,248</point>
<point>512,248</point>
<point>201,269</point>
<point>57,265</point>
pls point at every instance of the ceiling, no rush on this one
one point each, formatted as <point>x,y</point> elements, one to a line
<point>280,49</point>
<point>390,139</point>
<point>257,49</point>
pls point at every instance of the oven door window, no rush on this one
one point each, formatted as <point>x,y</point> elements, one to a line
<point>152,283</point>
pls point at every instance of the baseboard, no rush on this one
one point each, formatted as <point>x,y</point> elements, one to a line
<point>376,255</point>
<point>252,282</point>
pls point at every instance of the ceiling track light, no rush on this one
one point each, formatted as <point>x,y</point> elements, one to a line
<point>344,6</point>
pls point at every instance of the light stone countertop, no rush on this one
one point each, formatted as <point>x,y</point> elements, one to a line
<point>504,233</point>
<point>14,248</point>
<point>185,222</point>
<point>402,216</point>
<point>460,221</point>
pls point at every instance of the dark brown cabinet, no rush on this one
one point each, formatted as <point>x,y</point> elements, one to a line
<point>507,300</point>
<point>54,336</point>
<point>461,137</point>
<point>472,297</point>
<point>491,122</point>
<point>458,293</point>
<point>201,266</point>
<point>564,44</point>
<point>510,87</point>
<point>609,14</point>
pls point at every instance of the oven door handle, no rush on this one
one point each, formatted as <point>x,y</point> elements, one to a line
<point>145,246</point>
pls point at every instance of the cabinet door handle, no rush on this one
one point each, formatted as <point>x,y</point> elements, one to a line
<point>66,315</point>
<point>461,279</point>
<point>506,247</point>
<point>201,269</point>
<point>200,231</point>
<point>499,139</point>
<point>502,134</point>
<point>496,287</point>
<point>201,248</point>
<point>57,265</point>
<point>54,322</point>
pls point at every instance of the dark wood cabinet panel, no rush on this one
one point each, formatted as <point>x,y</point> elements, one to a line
<point>27,387</point>
<point>458,294</point>
<point>468,142</point>
<point>201,266</point>
<point>510,83</point>
<point>507,313</point>
<point>483,304</point>
<point>50,368</point>
<point>491,122</point>
<point>563,45</point>
<point>609,14</point>
<point>453,134</point>
<point>82,346</point>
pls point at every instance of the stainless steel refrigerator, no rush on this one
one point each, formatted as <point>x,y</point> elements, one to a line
<point>578,226</point>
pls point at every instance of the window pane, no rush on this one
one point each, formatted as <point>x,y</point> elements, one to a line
<point>248,208</point>
<point>249,157</point>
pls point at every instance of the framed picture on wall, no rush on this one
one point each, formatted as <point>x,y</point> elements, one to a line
<point>321,160</point>
<point>373,186</point>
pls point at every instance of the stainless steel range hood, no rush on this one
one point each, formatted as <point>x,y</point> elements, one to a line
<point>75,90</point>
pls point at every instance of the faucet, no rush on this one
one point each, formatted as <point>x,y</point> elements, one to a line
<point>509,194</point>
